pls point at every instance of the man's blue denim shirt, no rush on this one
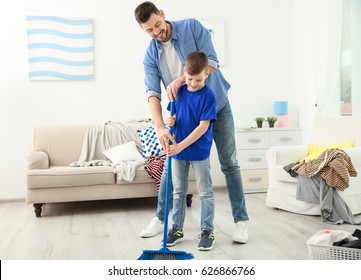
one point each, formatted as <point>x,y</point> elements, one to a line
<point>187,35</point>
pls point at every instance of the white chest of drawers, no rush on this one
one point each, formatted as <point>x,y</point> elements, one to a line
<point>252,145</point>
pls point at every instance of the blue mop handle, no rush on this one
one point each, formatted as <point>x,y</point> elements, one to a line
<point>171,108</point>
<point>167,189</point>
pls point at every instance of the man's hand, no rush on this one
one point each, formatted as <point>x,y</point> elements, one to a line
<point>172,88</point>
<point>164,137</point>
<point>162,132</point>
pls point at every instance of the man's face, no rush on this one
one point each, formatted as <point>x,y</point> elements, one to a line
<point>156,27</point>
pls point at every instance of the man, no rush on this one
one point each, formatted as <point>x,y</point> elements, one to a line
<point>163,62</point>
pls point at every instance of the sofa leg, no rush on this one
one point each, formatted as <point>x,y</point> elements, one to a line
<point>189,200</point>
<point>37,209</point>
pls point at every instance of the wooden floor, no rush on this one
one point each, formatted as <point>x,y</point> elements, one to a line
<point>109,230</point>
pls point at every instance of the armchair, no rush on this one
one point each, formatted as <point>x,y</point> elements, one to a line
<point>326,130</point>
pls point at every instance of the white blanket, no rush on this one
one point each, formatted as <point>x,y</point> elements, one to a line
<point>101,137</point>
<point>126,170</point>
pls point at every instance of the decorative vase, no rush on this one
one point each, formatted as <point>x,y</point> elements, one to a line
<point>271,124</point>
<point>259,124</point>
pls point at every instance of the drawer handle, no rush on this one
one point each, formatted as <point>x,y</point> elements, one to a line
<point>286,139</point>
<point>255,179</point>
<point>254,140</point>
<point>254,159</point>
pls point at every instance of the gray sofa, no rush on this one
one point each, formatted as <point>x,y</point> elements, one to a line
<point>50,178</point>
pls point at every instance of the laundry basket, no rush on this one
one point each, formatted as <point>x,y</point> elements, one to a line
<point>325,252</point>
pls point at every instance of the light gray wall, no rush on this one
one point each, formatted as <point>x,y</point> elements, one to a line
<point>259,49</point>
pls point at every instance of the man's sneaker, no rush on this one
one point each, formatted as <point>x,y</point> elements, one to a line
<point>240,232</point>
<point>207,241</point>
<point>174,236</point>
<point>155,226</point>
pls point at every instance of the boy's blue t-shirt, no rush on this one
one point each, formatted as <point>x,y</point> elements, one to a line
<point>191,108</point>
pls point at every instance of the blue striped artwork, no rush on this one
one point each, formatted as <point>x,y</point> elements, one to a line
<point>60,48</point>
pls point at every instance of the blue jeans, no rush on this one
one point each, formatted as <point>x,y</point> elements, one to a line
<point>224,138</point>
<point>202,171</point>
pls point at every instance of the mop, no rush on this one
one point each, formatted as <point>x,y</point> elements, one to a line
<point>164,253</point>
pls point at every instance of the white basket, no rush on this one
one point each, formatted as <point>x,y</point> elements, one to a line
<point>324,252</point>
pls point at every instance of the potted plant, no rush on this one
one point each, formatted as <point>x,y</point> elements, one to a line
<point>259,121</point>
<point>271,121</point>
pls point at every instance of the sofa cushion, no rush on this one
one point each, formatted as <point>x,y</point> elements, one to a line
<point>64,176</point>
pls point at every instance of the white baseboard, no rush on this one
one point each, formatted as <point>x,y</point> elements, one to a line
<point>9,200</point>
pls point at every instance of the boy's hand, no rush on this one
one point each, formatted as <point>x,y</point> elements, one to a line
<point>175,149</point>
<point>170,121</point>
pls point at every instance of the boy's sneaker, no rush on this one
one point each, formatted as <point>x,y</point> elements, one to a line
<point>155,226</point>
<point>174,236</point>
<point>207,240</point>
<point>240,232</point>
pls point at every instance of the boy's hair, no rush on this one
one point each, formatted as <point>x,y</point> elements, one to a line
<point>196,62</point>
<point>143,12</point>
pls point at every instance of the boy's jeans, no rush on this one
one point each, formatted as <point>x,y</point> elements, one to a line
<point>202,171</point>
<point>224,138</point>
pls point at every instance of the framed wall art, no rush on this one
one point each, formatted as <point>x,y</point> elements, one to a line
<point>60,48</point>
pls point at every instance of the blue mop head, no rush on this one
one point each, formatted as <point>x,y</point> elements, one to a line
<point>165,254</point>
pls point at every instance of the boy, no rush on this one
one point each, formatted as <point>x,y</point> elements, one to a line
<point>195,108</point>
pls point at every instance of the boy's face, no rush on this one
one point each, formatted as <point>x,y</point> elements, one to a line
<point>196,82</point>
<point>156,27</point>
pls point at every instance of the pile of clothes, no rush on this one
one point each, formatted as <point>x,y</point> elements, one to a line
<point>336,238</point>
<point>319,180</point>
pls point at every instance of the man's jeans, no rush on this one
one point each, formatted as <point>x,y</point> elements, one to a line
<point>224,138</point>
<point>202,171</point>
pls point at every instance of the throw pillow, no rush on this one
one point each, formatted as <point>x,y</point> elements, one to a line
<point>314,151</point>
<point>150,142</point>
<point>124,152</point>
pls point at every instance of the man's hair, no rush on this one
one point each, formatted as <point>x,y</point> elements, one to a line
<point>196,62</point>
<point>143,12</point>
